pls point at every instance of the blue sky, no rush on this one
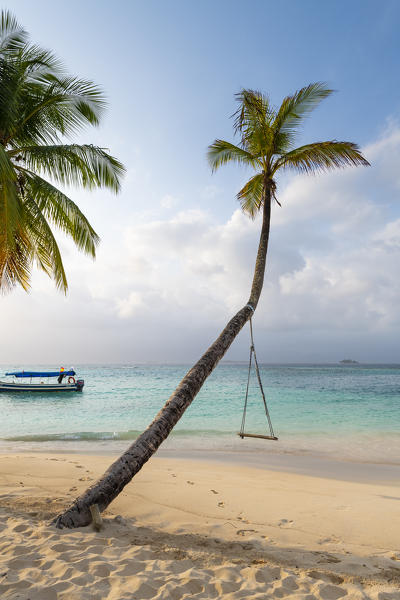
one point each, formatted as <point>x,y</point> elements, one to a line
<point>170,70</point>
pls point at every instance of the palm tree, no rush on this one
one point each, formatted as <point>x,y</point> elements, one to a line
<point>266,145</point>
<point>41,106</point>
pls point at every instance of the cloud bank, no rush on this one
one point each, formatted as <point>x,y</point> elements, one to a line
<point>165,282</point>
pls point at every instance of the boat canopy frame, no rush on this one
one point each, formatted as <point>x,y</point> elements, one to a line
<point>30,374</point>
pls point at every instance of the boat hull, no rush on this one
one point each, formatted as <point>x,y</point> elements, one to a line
<point>41,387</point>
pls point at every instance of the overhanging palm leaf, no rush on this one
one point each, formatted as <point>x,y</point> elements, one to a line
<point>12,36</point>
<point>7,171</point>
<point>11,211</point>
<point>15,262</point>
<point>58,106</point>
<point>39,106</point>
<point>62,212</point>
<point>36,62</point>
<point>73,164</point>
<point>44,245</point>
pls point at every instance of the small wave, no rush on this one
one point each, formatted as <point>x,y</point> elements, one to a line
<point>105,435</point>
<point>72,437</point>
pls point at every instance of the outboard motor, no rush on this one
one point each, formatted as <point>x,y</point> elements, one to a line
<point>79,385</point>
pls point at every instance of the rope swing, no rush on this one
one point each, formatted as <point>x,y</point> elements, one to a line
<point>242,433</point>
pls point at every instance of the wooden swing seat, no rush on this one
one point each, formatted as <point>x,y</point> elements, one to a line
<point>257,435</point>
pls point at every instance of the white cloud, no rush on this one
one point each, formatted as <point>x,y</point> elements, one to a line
<point>210,192</point>
<point>169,202</point>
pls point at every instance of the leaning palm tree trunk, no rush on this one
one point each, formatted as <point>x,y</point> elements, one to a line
<point>121,472</point>
<point>266,145</point>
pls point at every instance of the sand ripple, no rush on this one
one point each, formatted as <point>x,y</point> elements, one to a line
<point>123,562</point>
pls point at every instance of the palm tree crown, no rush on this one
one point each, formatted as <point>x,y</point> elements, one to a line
<point>267,137</point>
<point>41,107</point>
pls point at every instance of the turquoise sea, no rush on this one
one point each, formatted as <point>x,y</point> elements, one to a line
<point>347,412</point>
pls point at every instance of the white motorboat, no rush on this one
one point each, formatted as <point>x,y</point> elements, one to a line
<point>39,381</point>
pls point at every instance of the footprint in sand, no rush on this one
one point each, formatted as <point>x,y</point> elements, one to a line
<point>214,491</point>
<point>328,577</point>
<point>330,540</point>
<point>85,478</point>
<point>243,532</point>
<point>221,504</point>
<point>328,558</point>
<point>20,528</point>
<point>190,482</point>
<point>285,523</point>
<point>332,592</point>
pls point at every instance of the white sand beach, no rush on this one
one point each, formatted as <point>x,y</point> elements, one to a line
<point>193,529</point>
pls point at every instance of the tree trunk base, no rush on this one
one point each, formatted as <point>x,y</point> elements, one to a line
<point>73,517</point>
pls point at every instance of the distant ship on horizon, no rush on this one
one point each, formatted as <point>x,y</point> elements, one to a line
<point>349,361</point>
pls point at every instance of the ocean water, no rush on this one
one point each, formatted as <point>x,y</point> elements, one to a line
<point>347,412</point>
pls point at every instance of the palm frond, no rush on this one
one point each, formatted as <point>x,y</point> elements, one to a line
<point>11,214</point>
<point>72,164</point>
<point>43,244</point>
<point>6,167</point>
<point>253,105</point>
<point>322,156</point>
<point>221,152</point>
<point>9,106</point>
<point>293,110</point>
<point>36,61</point>
<point>62,212</point>
<point>15,262</point>
<point>40,105</point>
<point>253,121</point>
<point>251,195</point>
<point>267,140</point>
<point>12,35</point>
<point>53,107</point>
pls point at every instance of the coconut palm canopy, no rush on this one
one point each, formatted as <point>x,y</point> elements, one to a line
<point>267,143</point>
<point>41,108</point>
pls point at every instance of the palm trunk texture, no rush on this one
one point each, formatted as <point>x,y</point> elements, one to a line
<point>121,472</point>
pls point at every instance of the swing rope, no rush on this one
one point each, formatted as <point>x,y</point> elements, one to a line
<point>242,433</point>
